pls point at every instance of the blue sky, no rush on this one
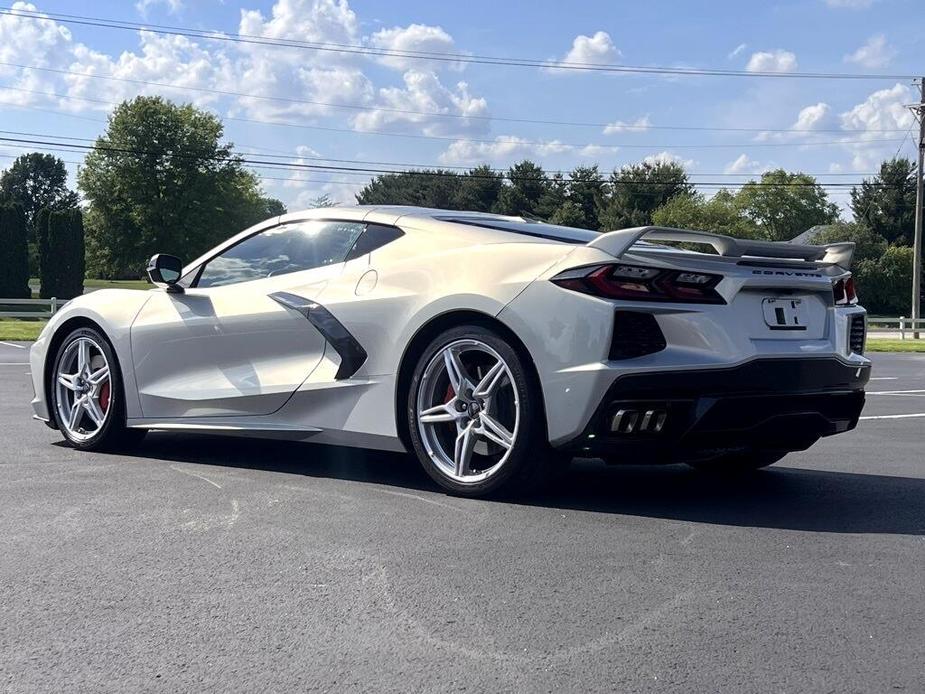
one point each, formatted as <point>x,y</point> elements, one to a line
<point>845,36</point>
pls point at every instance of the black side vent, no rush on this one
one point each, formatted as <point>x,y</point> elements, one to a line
<point>856,333</point>
<point>635,334</point>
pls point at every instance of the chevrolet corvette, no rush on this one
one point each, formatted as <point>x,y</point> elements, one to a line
<point>493,348</point>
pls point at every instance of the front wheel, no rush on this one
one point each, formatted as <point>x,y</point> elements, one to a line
<point>475,415</point>
<point>87,395</point>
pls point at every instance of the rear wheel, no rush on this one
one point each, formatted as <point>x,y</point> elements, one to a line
<point>738,463</point>
<point>87,395</point>
<point>475,415</point>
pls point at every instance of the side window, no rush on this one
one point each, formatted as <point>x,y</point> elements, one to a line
<point>281,250</point>
<point>375,236</point>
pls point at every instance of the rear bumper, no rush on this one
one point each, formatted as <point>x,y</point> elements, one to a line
<point>770,404</point>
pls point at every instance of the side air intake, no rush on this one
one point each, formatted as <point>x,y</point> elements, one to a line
<point>635,334</point>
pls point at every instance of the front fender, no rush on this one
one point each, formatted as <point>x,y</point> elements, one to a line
<point>113,310</point>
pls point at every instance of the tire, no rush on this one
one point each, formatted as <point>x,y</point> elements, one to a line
<point>102,428</point>
<point>738,463</point>
<point>514,458</point>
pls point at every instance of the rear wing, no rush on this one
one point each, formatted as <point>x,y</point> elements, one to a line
<point>616,243</point>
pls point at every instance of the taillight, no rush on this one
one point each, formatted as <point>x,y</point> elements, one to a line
<point>844,293</point>
<point>637,283</point>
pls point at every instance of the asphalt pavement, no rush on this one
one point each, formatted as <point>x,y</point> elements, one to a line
<point>208,564</point>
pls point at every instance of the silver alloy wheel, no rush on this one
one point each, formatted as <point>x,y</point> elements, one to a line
<point>468,411</point>
<point>83,389</point>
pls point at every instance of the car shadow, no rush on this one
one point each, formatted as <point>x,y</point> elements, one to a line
<point>778,497</point>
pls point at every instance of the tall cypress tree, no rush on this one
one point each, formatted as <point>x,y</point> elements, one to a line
<point>47,267</point>
<point>66,254</point>
<point>14,253</point>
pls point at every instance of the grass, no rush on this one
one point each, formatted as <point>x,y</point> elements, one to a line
<point>14,329</point>
<point>882,344</point>
<point>92,285</point>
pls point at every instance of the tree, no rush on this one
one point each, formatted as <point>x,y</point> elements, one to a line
<point>37,181</point>
<point>425,187</point>
<point>14,253</point>
<point>586,191</point>
<point>321,201</point>
<point>886,203</point>
<point>638,190</point>
<point>161,179</point>
<point>720,214</point>
<point>867,244</point>
<point>783,204</point>
<point>63,265</point>
<point>885,284</point>
<point>528,185</point>
<point>478,189</point>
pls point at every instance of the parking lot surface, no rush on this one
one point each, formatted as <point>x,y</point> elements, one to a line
<point>202,563</point>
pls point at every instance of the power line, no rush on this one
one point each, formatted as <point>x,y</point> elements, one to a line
<point>359,49</point>
<point>584,124</point>
<point>366,171</point>
<point>520,141</point>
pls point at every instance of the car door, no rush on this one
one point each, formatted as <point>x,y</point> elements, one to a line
<point>229,345</point>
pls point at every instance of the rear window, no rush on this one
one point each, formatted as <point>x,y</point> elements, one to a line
<point>553,232</point>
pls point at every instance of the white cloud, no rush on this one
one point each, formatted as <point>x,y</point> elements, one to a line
<point>812,117</point>
<point>173,6</point>
<point>875,52</point>
<point>669,158</point>
<point>735,52</point>
<point>415,38</point>
<point>639,125</point>
<point>884,109</point>
<point>423,92</point>
<point>589,50</point>
<point>850,4</point>
<point>772,61</point>
<point>745,164</point>
<point>505,148</point>
<point>597,151</point>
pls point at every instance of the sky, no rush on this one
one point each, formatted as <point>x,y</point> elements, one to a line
<point>316,106</point>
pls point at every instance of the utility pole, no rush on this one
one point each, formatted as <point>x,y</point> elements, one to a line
<point>919,110</point>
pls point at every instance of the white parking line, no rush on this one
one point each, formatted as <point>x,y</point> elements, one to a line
<point>14,363</point>
<point>895,416</point>
<point>883,378</point>
<point>896,392</point>
<point>10,344</point>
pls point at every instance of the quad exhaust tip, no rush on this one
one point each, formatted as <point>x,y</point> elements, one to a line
<point>638,421</point>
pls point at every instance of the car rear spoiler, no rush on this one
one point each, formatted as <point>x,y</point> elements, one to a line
<point>616,243</point>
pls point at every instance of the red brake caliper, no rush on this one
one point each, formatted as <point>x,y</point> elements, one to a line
<point>104,396</point>
<point>449,393</point>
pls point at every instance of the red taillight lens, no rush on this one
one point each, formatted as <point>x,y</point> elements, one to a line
<point>637,283</point>
<point>844,293</point>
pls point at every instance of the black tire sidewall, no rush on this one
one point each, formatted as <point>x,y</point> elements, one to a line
<point>510,476</point>
<point>115,422</point>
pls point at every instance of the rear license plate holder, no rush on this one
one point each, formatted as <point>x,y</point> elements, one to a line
<point>785,313</point>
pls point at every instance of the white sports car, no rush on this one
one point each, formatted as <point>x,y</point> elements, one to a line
<point>493,347</point>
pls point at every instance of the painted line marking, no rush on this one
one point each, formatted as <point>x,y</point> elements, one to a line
<point>203,478</point>
<point>14,363</point>
<point>10,344</point>
<point>884,378</point>
<point>895,416</point>
<point>896,392</point>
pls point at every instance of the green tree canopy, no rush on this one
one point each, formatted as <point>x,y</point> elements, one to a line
<point>886,203</point>
<point>527,188</point>
<point>783,205</point>
<point>638,190</point>
<point>37,181</point>
<point>14,254</point>
<point>720,214</point>
<point>867,244</point>
<point>479,189</point>
<point>161,179</point>
<point>885,284</point>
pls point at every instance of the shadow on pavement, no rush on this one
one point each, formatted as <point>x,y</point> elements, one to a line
<point>779,497</point>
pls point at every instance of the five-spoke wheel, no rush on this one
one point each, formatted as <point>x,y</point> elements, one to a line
<point>86,393</point>
<point>474,413</point>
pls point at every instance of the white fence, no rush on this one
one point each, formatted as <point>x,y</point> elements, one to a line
<point>905,327</point>
<point>49,305</point>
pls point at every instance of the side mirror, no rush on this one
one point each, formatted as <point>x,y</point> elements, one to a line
<point>165,271</point>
